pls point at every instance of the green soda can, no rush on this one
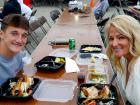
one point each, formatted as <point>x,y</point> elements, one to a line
<point>71,44</point>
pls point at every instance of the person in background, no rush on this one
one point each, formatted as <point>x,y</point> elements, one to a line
<point>123,37</point>
<point>25,9</point>
<point>28,3</point>
<point>10,6</point>
<point>100,8</point>
<point>13,37</point>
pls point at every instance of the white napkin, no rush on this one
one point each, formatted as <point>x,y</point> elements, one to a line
<point>71,66</point>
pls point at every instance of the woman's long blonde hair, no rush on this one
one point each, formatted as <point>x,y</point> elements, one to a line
<point>130,28</point>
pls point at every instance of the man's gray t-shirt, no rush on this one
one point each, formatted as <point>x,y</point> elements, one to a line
<point>10,67</point>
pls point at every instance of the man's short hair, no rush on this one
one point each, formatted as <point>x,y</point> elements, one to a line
<point>15,20</point>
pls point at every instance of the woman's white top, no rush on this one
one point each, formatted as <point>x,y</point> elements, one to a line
<point>131,91</point>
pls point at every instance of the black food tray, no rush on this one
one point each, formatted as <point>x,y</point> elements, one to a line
<point>113,97</point>
<point>48,64</point>
<point>5,88</point>
<point>92,49</point>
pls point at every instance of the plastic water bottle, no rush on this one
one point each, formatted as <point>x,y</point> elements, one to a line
<point>28,66</point>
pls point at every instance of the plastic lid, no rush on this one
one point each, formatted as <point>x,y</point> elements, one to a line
<point>82,60</point>
<point>97,78</point>
<point>98,68</point>
<point>55,90</point>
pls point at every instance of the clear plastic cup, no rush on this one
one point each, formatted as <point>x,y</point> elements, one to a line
<point>81,75</point>
<point>97,68</point>
<point>29,69</point>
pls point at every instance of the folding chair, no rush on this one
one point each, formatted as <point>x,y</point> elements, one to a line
<point>32,14</point>
<point>42,20</point>
<point>137,17</point>
<point>113,2</point>
<point>62,9</point>
<point>61,5</point>
<point>33,26</point>
<point>29,42</point>
<point>113,15</point>
<point>127,12</point>
<point>51,2</point>
<point>130,13</point>
<point>118,10</point>
<point>102,23</point>
<point>54,14</point>
<point>35,2</point>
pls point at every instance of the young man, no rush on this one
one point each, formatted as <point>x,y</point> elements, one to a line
<point>13,37</point>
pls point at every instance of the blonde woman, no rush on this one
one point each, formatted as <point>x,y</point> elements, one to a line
<point>123,37</point>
